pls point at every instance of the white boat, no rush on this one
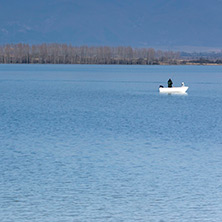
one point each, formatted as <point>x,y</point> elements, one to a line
<point>181,89</point>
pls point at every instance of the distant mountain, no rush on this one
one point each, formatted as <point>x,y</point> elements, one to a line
<point>141,23</point>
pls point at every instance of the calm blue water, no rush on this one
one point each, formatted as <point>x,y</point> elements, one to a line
<point>99,143</point>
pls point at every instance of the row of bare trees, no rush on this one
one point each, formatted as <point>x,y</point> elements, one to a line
<point>69,54</point>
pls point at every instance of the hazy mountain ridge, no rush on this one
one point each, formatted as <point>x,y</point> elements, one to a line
<point>167,23</point>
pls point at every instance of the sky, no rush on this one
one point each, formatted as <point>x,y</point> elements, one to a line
<point>166,24</point>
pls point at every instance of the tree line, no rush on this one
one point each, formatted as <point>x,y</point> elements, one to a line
<point>69,54</point>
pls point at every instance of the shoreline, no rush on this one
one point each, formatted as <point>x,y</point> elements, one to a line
<point>161,64</point>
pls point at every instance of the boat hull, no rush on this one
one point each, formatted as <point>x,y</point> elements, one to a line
<point>181,89</point>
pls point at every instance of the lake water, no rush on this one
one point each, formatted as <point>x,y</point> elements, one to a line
<point>99,143</point>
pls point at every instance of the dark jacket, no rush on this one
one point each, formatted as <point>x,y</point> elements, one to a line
<point>170,83</point>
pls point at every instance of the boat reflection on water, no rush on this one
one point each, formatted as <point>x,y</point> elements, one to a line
<point>174,94</point>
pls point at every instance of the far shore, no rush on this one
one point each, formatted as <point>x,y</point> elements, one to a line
<point>101,55</point>
<point>159,64</point>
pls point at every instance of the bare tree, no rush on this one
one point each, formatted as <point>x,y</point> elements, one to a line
<point>68,54</point>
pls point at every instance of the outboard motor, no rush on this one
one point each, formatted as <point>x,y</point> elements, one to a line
<point>160,86</point>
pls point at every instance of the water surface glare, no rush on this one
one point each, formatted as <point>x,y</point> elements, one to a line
<point>99,143</point>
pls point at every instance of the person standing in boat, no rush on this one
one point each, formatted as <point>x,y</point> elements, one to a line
<point>170,83</point>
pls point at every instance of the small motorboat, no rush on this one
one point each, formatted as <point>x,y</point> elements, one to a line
<point>181,89</point>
